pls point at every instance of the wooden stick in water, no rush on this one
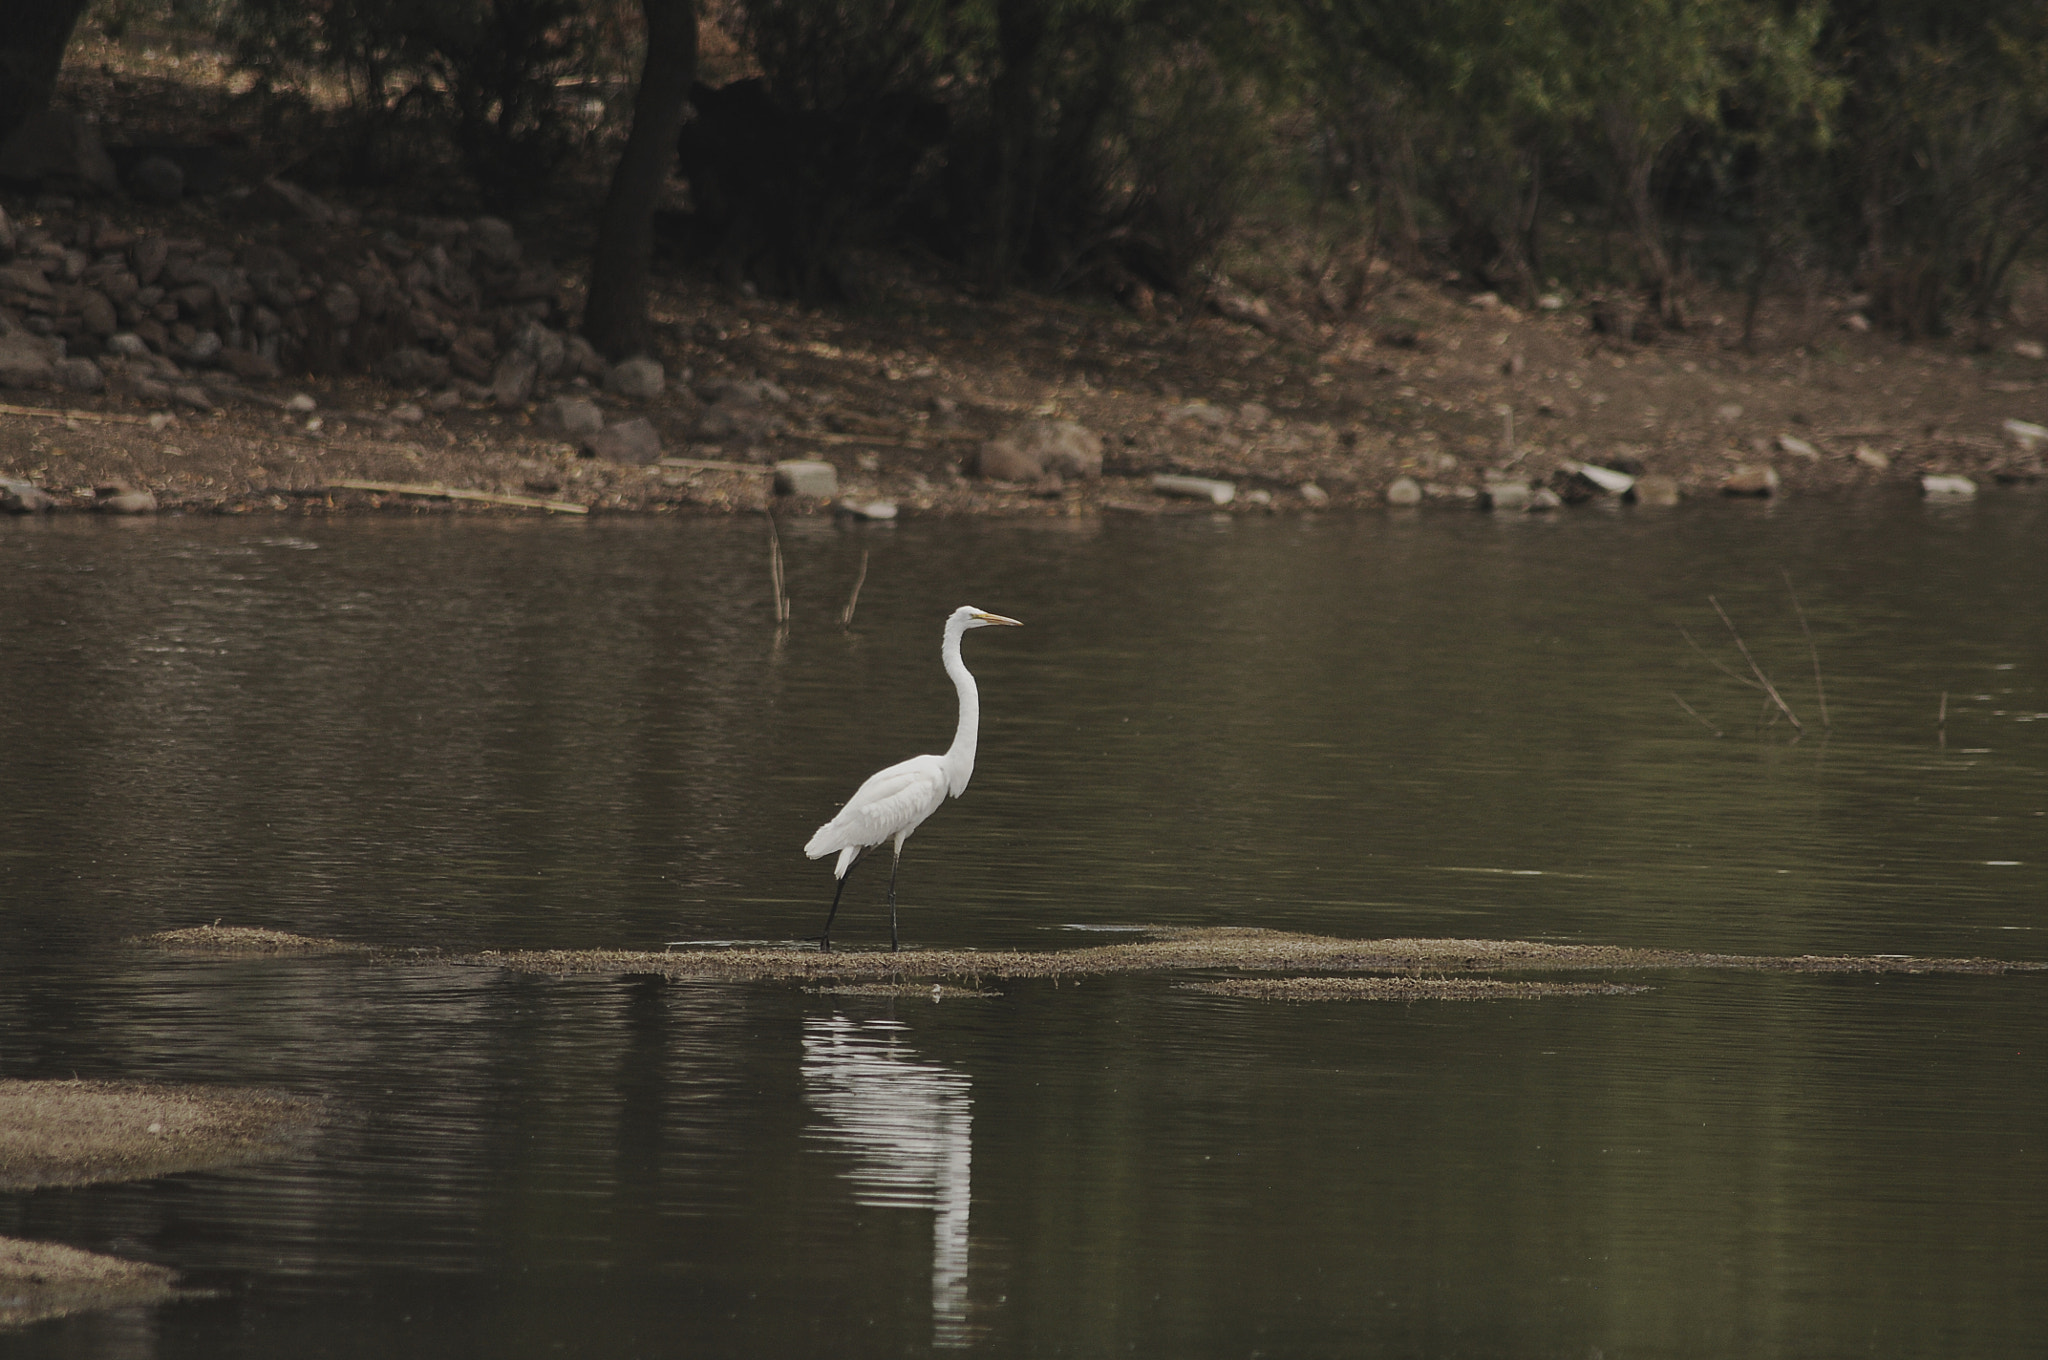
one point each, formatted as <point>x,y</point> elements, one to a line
<point>1819,690</point>
<point>1695,716</point>
<point>775,573</point>
<point>1762,679</point>
<point>846,619</point>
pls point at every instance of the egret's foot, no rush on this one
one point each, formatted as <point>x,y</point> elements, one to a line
<point>824,944</point>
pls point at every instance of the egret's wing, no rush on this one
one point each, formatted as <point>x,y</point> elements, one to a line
<point>892,801</point>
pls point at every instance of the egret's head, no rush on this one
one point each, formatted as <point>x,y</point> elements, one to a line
<point>967,616</point>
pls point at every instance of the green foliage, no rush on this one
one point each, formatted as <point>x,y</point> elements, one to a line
<point>1902,144</point>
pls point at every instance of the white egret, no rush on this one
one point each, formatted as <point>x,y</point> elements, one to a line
<point>894,802</point>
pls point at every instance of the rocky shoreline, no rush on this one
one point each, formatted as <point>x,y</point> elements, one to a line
<point>268,351</point>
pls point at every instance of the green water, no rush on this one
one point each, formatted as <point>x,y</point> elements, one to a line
<point>491,733</point>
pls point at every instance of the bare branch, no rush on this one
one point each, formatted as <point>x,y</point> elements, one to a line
<point>1764,681</point>
<point>1819,690</point>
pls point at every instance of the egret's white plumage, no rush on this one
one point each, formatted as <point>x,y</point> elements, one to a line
<point>894,802</point>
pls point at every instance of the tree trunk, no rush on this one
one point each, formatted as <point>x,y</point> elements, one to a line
<point>615,310</point>
<point>32,42</point>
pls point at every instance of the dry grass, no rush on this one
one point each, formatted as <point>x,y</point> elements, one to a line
<point>79,1132</point>
<point>42,1280</point>
<point>232,941</point>
<point>1402,989</point>
<point>1175,950</point>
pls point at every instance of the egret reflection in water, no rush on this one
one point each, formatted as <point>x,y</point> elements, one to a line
<point>909,1127</point>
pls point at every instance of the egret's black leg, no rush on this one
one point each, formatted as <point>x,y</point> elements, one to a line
<point>825,940</point>
<point>894,864</point>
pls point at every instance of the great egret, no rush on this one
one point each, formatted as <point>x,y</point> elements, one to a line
<point>894,802</point>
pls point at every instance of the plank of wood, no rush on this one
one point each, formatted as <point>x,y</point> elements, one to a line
<point>456,493</point>
<point>717,465</point>
<point>50,413</point>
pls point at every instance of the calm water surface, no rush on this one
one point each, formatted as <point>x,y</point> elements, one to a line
<point>476,733</point>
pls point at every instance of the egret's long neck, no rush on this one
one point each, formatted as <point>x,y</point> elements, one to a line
<point>960,755</point>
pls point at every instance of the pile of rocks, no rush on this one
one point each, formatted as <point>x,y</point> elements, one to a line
<point>311,288</point>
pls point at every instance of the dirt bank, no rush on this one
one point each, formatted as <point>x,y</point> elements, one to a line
<point>42,1280</point>
<point>78,1132</point>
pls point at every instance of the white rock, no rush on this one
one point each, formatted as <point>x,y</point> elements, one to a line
<point>1195,488</point>
<point>806,477</point>
<point>1404,491</point>
<point>1505,496</point>
<point>873,510</point>
<point>1936,485</point>
<point>1607,479</point>
<point>1313,494</point>
<point>299,404</point>
<point>1871,458</point>
<point>1797,447</point>
<point>2025,433</point>
<point>1856,321</point>
<point>2030,349</point>
<point>1551,302</point>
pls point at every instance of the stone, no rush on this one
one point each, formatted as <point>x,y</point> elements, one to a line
<point>202,350</point>
<point>1797,447</point>
<point>548,348</point>
<point>1313,494</point>
<point>411,366</point>
<point>1856,321</point>
<point>24,498</point>
<point>119,498</point>
<point>23,284</point>
<point>343,304</point>
<point>2025,433</point>
<point>25,360</point>
<point>1655,490</point>
<point>1006,463</point>
<point>1405,490</point>
<point>194,396</point>
<point>1505,496</point>
<point>630,441</point>
<point>1602,479</point>
<point>1872,459</point>
<point>2030,349</point>
<point>156,179</point>
<point>572,417</point>
<point>78,375</point>
<point>127,344</point>
<point>1064,447</point>
<point>1194,488</point>
<point>149,256</point>
<point>513,378</point>
<point>248,365</point>
<point>494,240</point>
<point>1728,412</point>
<point>583,359</point>
<point>638,378</point>
<point>1543,498</point>
<point>806,477</point>
<point>407,413</point>
<point>299,404</point>
<point>879,511</point>
<point>1937,486</point>
<point>61,152</point>
<point>1751,479</point>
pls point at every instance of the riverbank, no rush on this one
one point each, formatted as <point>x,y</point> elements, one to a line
<point>901,399</point>
<point>238,343</point>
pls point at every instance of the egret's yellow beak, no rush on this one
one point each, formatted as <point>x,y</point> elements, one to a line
<point>998,618</point>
